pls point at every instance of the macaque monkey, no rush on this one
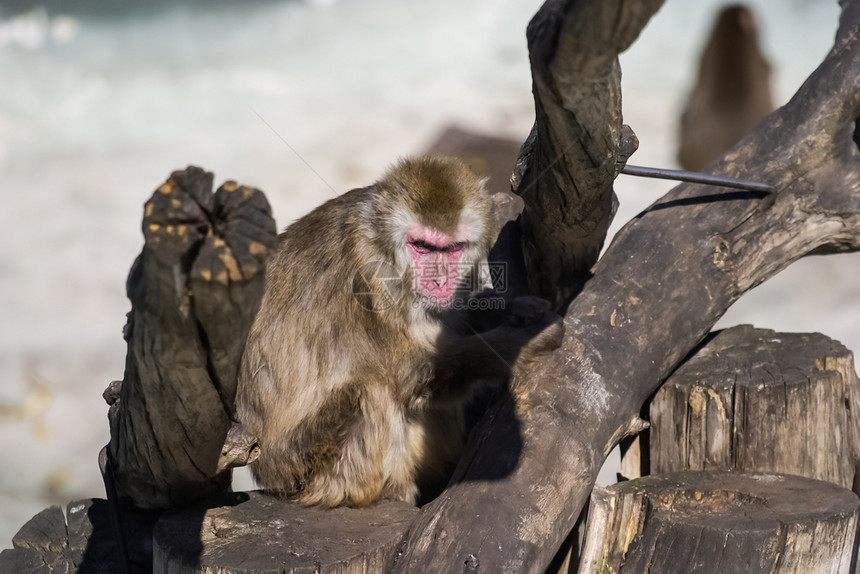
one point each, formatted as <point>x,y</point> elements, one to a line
<point>357,366</point>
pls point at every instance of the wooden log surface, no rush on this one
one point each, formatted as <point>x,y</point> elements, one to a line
<point>758,401</point>
<point>659,289</point>
<point>253,533</point>
<point>717,521</point>
<point>195,289</point>
<point>78,539</point>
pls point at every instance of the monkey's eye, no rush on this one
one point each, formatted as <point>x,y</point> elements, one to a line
<point>455,247</point>
<point>424,247</point>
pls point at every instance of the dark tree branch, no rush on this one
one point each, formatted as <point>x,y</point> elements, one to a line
<point>569,163</point>
<point>665,280</point>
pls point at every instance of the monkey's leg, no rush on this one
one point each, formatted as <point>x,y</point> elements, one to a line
<point>377,452</point>
<point>445,435</point>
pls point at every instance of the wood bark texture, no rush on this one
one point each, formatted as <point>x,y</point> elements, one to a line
<point>717,521</point>
<point>194,289</point>
<point>758,401</point>
<point>568,163</point>
<point>79,539</point>
<point>662,284</point>
<point>250,533</point>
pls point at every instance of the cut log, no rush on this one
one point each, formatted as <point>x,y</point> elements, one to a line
<point>254,533</point>
<point>42,545</point>
<point>634,457</point>
<point>194,289</point>
<point>759,401</point>
<point>716,521</point>
<point>81,541</point>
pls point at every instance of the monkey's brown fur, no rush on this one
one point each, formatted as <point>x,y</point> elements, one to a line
<point>356,396</point>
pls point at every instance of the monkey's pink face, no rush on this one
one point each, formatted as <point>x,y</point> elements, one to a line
<point>437,265</point>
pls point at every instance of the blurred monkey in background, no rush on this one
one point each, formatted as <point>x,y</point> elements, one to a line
<point>732,92</point>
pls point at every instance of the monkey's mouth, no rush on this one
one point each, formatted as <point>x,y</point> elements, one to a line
<point>441,294</point>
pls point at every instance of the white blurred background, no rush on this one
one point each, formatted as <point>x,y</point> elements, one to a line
<point>100,101</point>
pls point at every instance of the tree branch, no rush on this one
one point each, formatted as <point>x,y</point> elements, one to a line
<point>567,166</point>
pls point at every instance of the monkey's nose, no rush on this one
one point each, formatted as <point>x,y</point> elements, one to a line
<point>440,274</point>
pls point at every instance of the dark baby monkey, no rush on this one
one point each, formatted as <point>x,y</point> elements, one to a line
<point>357,368</point>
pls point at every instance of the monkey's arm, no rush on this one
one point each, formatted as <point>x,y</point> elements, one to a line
<point>531,329</point>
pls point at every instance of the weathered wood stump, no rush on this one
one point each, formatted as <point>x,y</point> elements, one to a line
<point>81,541</point>
<point>254,533</point>
<point>759,401</point>
<point>194,289</point>
<point>718,521</point>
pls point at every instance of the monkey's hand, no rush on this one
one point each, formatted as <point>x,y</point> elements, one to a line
<point>530,329</point>
<point>541,328</point>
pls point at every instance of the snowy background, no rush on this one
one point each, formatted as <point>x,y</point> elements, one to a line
<point>100,101</point>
